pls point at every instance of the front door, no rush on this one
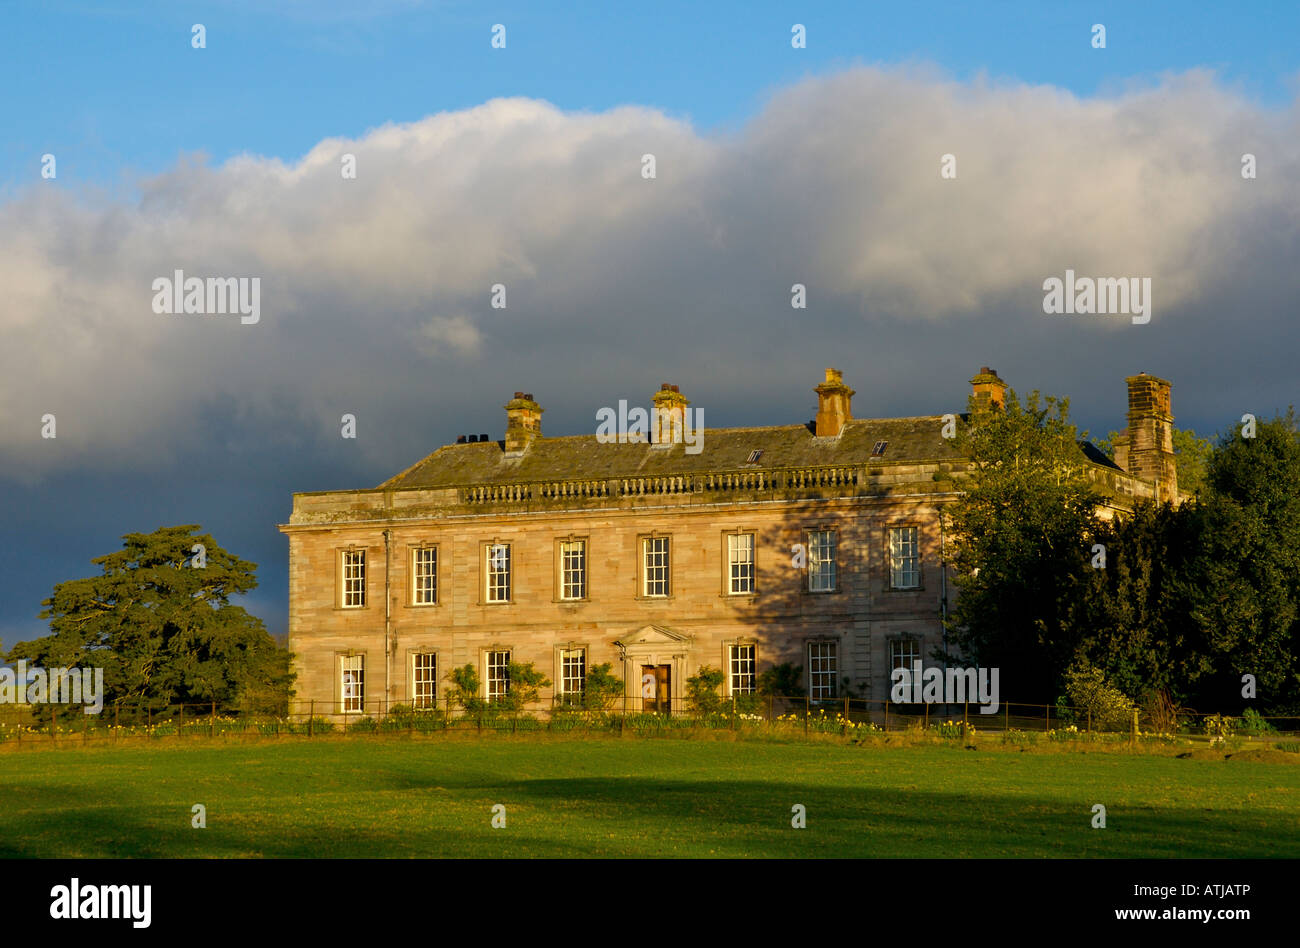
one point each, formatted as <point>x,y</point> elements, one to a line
<point>656,688</point>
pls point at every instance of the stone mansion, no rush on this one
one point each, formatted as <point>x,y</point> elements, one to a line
<point>821,545</point>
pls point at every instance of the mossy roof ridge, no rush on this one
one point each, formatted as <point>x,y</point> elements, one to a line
<point>910,440</point>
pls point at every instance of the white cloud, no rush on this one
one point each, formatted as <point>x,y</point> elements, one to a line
<point>610,276</point>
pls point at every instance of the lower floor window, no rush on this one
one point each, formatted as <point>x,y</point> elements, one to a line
<point>424,680</point>
<point>498,675</point>
<point>903,652</point>
<point>573,672</point>
<point>821,670</point>
<point>353,682</point>
<point>742,669</point>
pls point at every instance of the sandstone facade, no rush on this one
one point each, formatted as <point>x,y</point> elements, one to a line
<point>462,558</point>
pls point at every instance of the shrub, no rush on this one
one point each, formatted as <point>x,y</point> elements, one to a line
<point>1088,690</point>
<point>1220,726</point>
<point>600,690</point>
<point>404,717</point>
<point>1252,722</point>
<point>1161,711</point>
<point>1018,737</point>
<point>702,690</point>
<point>783,681</point>
<point>464,689</point>
<point>524,683</point>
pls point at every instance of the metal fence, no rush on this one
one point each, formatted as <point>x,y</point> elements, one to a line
<point>849,717</point>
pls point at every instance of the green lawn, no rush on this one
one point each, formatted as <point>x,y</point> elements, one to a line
<point>635,797</point>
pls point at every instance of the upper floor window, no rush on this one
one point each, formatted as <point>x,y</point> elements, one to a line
<point>904,558</point>
<point>821,561</point>
<point>655,566</point>
<point>498,572</point>
<point>424,576</point>
<point>740,563</point>
<point>573,569</point>
<point>354,578</point>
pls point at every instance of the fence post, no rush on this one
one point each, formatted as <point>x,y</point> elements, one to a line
<point>1133,735</point>
<point>770,700</point>
<point>117,706</point>
<point>1007,727</point>
<point>54,722</point>
<point>807,711</point>
<point>311,717</point>
<point>212,725</point>
<point>148,721</point>
<point>965,718</point>
<point>886,728</point>
<point>1049,718</point>
<point>1090,720</point>
<point>927,715</point>
<point>85,727</point>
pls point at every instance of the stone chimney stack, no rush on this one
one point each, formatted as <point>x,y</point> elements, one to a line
<point>523,422</point>
<point>989,390</point>
<point>834,404</point>
<point>670,414</point>
<point>1148,445</point>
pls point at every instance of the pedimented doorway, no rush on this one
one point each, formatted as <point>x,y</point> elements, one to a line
<point>654,667</point>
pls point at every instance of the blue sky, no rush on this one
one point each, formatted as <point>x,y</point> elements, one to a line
<point>521,165</point>
<point>118,91</point>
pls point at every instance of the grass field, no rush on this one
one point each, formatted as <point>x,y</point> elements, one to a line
<point>665,797</point>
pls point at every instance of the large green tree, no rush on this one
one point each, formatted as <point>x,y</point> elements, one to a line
<point>159,621</point>
<point>1193,598</point>
<point>1134,617</point>
<point>1248,597</point>
<point>1022,535</point>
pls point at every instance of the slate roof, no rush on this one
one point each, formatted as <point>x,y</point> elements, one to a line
<point>911,440</point>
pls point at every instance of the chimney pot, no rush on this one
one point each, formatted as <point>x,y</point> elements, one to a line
<point>670,414</point>
<point>523,422</point>
<point>989,390</point>
<point>1150,435</point>
<point>834,405</point>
